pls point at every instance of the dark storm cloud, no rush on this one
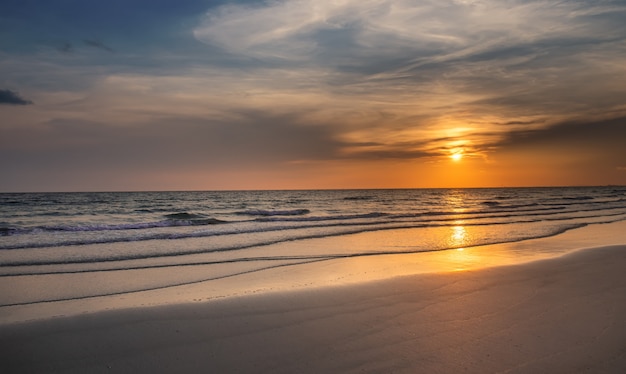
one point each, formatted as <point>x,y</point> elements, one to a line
<point>12,98</point>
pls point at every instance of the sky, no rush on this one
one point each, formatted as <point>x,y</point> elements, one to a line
<point>306,94</point>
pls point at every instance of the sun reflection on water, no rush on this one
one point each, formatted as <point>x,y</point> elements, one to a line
<point>458,237</point>
<point>454,202</point>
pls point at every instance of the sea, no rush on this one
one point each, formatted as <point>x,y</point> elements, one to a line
<point>57,247</point>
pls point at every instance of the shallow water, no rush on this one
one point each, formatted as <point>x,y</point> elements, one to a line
<point>68,246</point>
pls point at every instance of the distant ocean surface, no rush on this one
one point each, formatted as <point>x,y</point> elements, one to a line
<point>225,233</point>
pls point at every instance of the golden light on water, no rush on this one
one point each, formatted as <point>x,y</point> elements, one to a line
<point>457,238</point>
<point>460,258</point>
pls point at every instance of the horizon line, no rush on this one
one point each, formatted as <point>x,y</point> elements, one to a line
<point>317,189</point>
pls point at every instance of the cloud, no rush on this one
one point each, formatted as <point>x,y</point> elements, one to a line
<point>66,47</point>
<point>599,133</point>
<point>428,31</point>
<point>12,98</point>
<point>234,81</point>
<point>497,51</point>
<point>98,44</point>
<point>488,67</point>
<point>599,140</point>
<point>252,139</point>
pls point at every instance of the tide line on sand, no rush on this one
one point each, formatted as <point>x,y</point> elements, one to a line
<point>561,315</point>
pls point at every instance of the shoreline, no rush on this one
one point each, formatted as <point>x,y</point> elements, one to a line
<point>320,274</point>
<point>562,314</point>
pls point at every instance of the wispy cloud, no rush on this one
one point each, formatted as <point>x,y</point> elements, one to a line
<point>347,80</point>
<point>471,64</point>
<point>422,32</point>
<point>98,44</point>
<point>595,135</point>
<point>12,98</point>
<point>66,47</point>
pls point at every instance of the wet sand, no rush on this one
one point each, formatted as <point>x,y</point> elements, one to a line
<point>561,315</point>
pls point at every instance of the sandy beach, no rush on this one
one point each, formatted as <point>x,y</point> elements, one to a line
<point>561,315</point>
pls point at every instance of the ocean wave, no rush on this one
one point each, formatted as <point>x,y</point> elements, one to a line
<point>182,219</point>
<point>323,218</point>
<point>261,212</point>
<point>333,229</point>
<point>358,198</point>
<point>490,203</point>
<point>493,204</point>
<point>184,216</point>
<point>569,202</point>
<point>117,260</point>
<point>172,222</point>
<point>518,206</point>
<point>578,198</point>
<point>140,225</point>
<point>8,231</point>
<point>519,209</point>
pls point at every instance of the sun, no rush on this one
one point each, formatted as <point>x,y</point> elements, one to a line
<point>456,156</point>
